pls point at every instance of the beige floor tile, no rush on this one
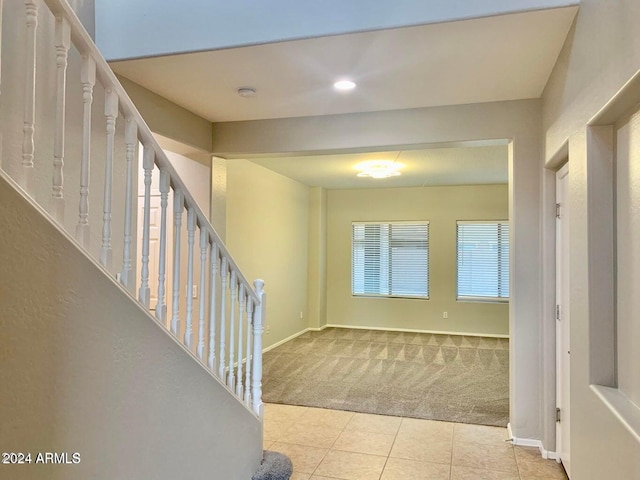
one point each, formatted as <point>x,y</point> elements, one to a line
<point>300,476</point>
<point>273,430</point>
<point>466,473</point>
<point>366,422</point>
<point>318,477</point>
<point>325,418</point>
<point>400,469</point>
<point>413,448</point>
<point>266,444</point>
<point>364,442</point>
<point>276,411</point>
<point>305,459</point>
<point>414,427</point>
<point>483,434</point>
<point>312,435</point>
<point>532,465</point>
<point>489,457</point>
<point>351,466</point>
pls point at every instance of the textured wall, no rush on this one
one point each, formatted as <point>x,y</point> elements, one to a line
<point>85,370</point>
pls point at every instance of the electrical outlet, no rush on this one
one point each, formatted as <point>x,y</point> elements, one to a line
<point>301,316</point>
<point>267,329</point>
<point>445,314</point>
<point>194,293</point>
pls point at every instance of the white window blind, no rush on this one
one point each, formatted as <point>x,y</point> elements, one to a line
<point>390,259</point>
<point>483,260</point>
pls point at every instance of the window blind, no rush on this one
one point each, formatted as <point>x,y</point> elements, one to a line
<point>483,260</point>
<point>390,259</point>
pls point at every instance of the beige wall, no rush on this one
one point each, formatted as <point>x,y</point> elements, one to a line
<point>267,235</point>
<point>441,206</point>
<point>317,261</point>
<point>601,54</point>
<point>531,399</point>
<point>168,119</point>
<point>84,369</point>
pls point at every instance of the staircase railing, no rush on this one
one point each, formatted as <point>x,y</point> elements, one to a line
<point>223,329</point>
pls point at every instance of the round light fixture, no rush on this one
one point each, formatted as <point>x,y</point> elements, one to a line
<point>344,85</point>
<point>246,92</point>
<point>379,169</point>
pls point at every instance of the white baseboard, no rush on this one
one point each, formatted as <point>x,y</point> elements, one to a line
<point>411,330</point>
<point>528,442</point>
<point>408,330</point>
<point>277,344</point>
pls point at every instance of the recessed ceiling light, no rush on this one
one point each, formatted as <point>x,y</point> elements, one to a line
<point>344,85</point>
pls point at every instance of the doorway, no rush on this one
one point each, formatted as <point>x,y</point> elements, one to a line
<point>563,347</point>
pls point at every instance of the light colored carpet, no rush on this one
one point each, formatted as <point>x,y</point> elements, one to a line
<point>440,377</point>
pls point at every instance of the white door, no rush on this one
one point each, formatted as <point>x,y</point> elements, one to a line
<point>563,350</point>
<point>154,249</point>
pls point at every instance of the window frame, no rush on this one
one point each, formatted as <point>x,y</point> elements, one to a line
<point>479,298</point>
<point>390,295</point>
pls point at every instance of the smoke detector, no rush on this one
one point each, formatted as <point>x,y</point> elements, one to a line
<point>246,92</point>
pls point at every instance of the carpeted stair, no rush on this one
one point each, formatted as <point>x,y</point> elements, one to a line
<point>274,466</point>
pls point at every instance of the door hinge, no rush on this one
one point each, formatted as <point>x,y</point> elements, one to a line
<point>557,312</point>
<point>557,210</point>
<point>558,414</point>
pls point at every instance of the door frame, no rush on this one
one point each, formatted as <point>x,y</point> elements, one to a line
<point>563,346</point>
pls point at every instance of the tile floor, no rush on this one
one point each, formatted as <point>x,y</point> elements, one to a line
<point>333,444</point>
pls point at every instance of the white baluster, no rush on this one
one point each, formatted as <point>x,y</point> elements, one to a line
<point>233,287</point>
<point>204,242</point>
<point>258,328</point>
<point>240,340</point>
<point>131,142</point>
<point>161,306</point>
<point>144,294</point>
<point>88,79</point>
<point>178,204</point>
<point>111,112</point>
<point>223,297</point>
<point>213,274</point>
<point>28,129</point>
<point>247,381</point>
<point>191,229</point>
<point>63,43</point>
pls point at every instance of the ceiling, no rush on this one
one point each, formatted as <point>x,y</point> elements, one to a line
<point>506,57</point>
<point>420,168</point>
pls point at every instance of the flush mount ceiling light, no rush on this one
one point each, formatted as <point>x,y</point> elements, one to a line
<point>344,85</point>
<point>379,169</point>
<point>246,92</point>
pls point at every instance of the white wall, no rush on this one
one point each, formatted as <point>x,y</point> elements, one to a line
<point>601,54</point>
<point>442,207</point>
<point>84,369</point>
<point>628,257</point>
<point>267,235</point>
<point>126,29</point>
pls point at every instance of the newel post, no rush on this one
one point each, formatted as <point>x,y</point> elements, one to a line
<point>258,328</point>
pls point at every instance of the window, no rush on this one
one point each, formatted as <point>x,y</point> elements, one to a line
<point>390,259</point>
<point>483,261</point>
